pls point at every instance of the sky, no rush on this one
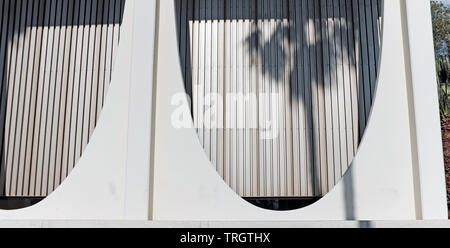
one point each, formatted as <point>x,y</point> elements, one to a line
<point>445,1</point>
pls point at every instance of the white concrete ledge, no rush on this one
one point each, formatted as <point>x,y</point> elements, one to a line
<point>206,224</point>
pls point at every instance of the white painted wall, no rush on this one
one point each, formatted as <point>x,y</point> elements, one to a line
<point>380,184</point>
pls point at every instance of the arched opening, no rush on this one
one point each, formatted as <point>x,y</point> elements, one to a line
<point>281,91</point>
<point>55,68</point>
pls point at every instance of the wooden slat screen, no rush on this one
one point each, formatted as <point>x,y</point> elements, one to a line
<point>312,67</point>
<point>55,67</point>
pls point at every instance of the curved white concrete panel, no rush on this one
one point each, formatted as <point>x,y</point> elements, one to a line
<point>95,188</point>
<point>378,186</point>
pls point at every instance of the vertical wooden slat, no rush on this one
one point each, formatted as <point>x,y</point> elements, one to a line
<point>214,81</point>
<point>308,175</point>
<point>348,130</point>
<point>266,98</point>
<point>84,81</point>
<point>117,15</point>
<point>12,39</point>
<point>45,132</point>
<point>370,47</point>
<point>294,98</point>
<point>71,90</point>
<point>341,146</point>
<point>53,96</point>
<point>328,93</point>
<point>353,74</point>
<point>247,151</point>
<point>96,81</point>
<point>66,43</point>
<point>201,71</point>
<point>195,63</point>
<point>376,35</point>
<point>90,84</point>
<point>314,122</point>
<point>109,24</point>
<point>41,107</point>
<point>365,58</point>
<point>242,90</point>
<point>322,162</point>
<point>9,91</point>
<point>227,89</point>
<point>99,98</point>
<point>61,21</point>
<point>276,98</point>
<point>255,65</point>
<point>75,137</point>
<point>220,86</point>
<point>4,44</point>
<point>12,89</point>
<point>300,150</point>
<point>286,143</point>
<point>359,68</point>
<point>182,36</point>
<point>257,78</point>
<point>24,104</point>
<point>232,100</point>
<point>333,90</point>
<point>16,110</point>
<point>207,141</point>
<point>33,76</point>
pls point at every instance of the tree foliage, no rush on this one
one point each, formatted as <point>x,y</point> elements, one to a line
<point>441,29</point>
<point>441,26</point>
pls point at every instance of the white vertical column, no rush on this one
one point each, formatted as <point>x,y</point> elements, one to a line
<point>430,180</point>
<point>137,191</point>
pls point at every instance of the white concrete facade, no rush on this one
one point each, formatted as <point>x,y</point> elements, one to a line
<point>160,173</point>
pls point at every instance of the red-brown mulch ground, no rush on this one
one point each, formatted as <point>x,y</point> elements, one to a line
<point>446,141</point>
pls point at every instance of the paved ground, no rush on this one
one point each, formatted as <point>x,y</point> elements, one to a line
<point>446,141</point>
